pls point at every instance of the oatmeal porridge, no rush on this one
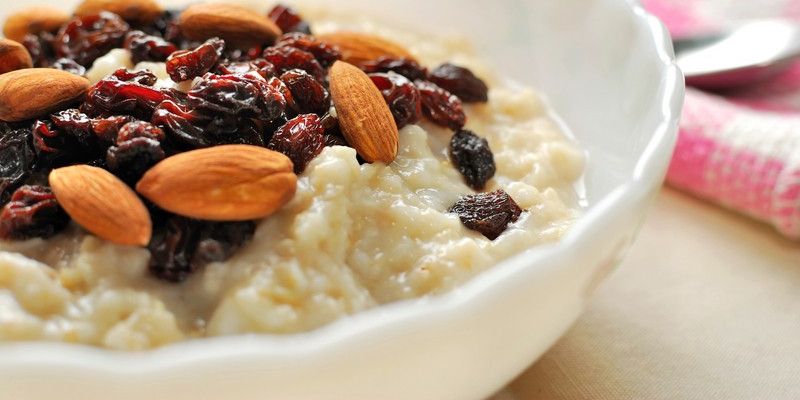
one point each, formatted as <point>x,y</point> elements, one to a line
<point>356,230</point>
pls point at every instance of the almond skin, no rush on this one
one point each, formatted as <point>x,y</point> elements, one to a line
<point>34,20</point>
<point>13,56</point>
<point>222,183</point>
<point>33,92</point>
<point>364,117</point>
<point>139,11</point>
<point>102,204</point>
<point>236,24</point>
<point>358,48</point>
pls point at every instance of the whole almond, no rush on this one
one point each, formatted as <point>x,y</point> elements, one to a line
<point>33,92</point>
<point>236,24</point>
<point>364,117</point>
<point>34,20</point>
<point>102,204</point>
<point>138,11</point>
<point>358,48</point>
<point>13,56</point>
<point>222,183</point>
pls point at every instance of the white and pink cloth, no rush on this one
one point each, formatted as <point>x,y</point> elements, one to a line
<point>740,149</point>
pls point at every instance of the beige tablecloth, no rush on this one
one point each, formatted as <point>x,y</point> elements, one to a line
<point>706,306</point>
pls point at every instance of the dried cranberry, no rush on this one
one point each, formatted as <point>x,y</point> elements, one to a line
<point>181,246</point>
<point>403,66</point>
<point>401,95</point>
<point>288,19</point>
<point>40,47</point>
<point>259,65</point>
<point>325,53</point>
<point>440,106</point>
<point>243,95</point>
<point>143,77</point>
<point>144,47</point>
<point>301,139</point>
<point>66,64</point>
<point>309,95</point>
<point>139,129</point>
<point>488,213</point>
<point>460,82</point>
<point>130,159</point>
<point>32,212</point>
<point>190,64</point>
<point>112,96</point>
<point>286,58</point>
<point>84,39</point>
<point>107,129</point>
<point>17,158</point>
<point>472,157</point>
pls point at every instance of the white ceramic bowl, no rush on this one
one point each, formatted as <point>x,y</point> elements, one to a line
<point>606,67</point>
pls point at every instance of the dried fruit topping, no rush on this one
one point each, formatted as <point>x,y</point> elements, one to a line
<point>40,47</point>
<point>242,95</point>
<point>222,183</point>
<point>403,66</point>
<point>488,213</point>
<point>68,138</point>
<point>130,159</point>
<point>107,129</point>
<point>144,47</point>
<point>33,92</point>
<point>16,158</point>
<point>325,53</point>
<point>191,129</point>
<point>472,157</point>
<point>400,95</point>
<point>190,64</point>
<point>13,56</point>
<point>181,246</point>
<point>460,82</point>
<point>139,129</point>
<point>309,96</point>
<point>125,93</point>
<point>69,65</point>
<point>258,65</point>
<point>143,77</point>
<point>34,20</point>
<point>102,204</point>
<point>288,19</point>
<point>33,212</point>
<point>287,58</point>
<point>301,139</point>
<point>440,106</point>
<point>84,39</point>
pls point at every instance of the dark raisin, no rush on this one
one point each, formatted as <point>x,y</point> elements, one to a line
<point>286,58</point>
<point>67,138</point>
<point>258,65</point>
<point>301,139</point>
<point>139,129</point>
<point>288,19</point>
<point>69,65</point>
<point>238,54</point>
<point>40,47</point>
<point>130,159</point>
<point>17,158</point>
<point>441,106</point>
<point>107,129</point>
<point>309,95</point>
<point>325,53</point>
<point>460,82</point>
<point>84,39</point>
<point>243,95</point>
<point>189,64</point>
<point>401,95</point>
<point>144,47</point>
<point>181,246</point>
<point>33,212</point>
<point>143,77</point>
<point>112,96</point>
<point>488,213</point>
<point>403,66</point>
<point>472,157</point>
<point>163,24</point>
<point>189,129</point>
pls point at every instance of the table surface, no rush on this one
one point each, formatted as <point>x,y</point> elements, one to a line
<point>706,306</point>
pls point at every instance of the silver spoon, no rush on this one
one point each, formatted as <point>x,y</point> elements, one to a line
<point>743,55</point>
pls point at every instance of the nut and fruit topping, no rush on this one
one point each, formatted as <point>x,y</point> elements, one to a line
<point>261,104</point>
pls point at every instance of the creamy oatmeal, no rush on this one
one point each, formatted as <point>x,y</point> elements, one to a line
<point>354,236</point>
